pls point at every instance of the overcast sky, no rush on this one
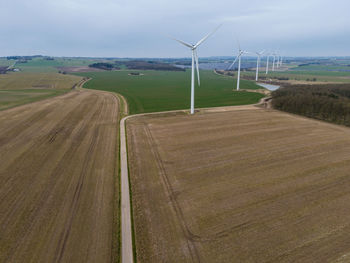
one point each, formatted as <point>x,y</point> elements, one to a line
<point>138,28</point>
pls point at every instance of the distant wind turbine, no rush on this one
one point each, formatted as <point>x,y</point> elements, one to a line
<point>240,53</point>
<point>281,61</point>
<point>195,62</point>
<point>274,60</point>
<point>267,64</point>
<point>259,54</point>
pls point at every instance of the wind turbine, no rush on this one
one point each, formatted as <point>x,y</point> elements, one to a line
<point>195,62</point>
<point>274,60</point>
<point>259,54</point>
<point>278,60</point>
<point>240,53</point>
<point>267,63</point>
<point>281,61</point>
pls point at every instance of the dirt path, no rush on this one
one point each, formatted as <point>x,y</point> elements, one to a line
<point>126,226</point>
<point>57,179</point>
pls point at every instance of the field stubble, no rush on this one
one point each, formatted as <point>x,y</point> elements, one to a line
<point>57,188</point>
<point>21,88</point>
<point>248,185</point>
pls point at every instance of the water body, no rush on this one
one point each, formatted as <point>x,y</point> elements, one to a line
<point>268,86</point>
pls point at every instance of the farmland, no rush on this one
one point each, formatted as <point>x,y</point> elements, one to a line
<point>238,183</point>
<point>156,91</point>
<point>39,65</point>
<point>246,185</point>
<point>21,88</point>
<point>295,77</point>
<point>59,189</point>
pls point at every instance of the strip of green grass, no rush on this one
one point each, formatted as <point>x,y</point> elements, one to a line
<point>166,90</point>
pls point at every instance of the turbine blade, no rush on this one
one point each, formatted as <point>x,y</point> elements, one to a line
<point>205,38</point>
<point>233,62</point>
<point>197,67</point>
<point>182,42</point>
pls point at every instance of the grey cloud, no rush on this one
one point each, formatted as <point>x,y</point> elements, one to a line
<point>138,28</point>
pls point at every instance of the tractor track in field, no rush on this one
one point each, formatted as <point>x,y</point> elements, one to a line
<point>191,238</point>
<point>57,187</point>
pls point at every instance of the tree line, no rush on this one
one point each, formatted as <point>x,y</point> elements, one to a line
<point>324,102</point>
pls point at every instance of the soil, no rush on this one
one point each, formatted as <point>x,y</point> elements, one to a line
<point>57,179</point>
<point>245,184</point>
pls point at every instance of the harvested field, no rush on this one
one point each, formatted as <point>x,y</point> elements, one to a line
<point>20,81</point>
<point>247,185</point>
<point>22,88</point>
<point>58,180</point>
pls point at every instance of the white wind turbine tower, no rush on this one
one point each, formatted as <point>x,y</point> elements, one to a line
<point>240,53</point>
<point>195,62</point>
<point>278,60</point>
<point>281,61</point>
<point>274,60</point>
<point>267,63</point>
<point>259,54</point>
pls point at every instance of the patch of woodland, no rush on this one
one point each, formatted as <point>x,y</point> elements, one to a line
<point>104,66</point>
<point>328,102</point>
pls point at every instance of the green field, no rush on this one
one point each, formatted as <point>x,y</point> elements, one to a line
<point>4,62</point>
<point>21,88</point>
<point>323,76</point>
<point>337,66</point>
<point>42,65</point>
<point>166,90</point>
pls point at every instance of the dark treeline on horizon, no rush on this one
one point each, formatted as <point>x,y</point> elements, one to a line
<point>329,102</point>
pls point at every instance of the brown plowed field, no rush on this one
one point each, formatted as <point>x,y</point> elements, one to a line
<point>58,179</point>
<point>247,185</point>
